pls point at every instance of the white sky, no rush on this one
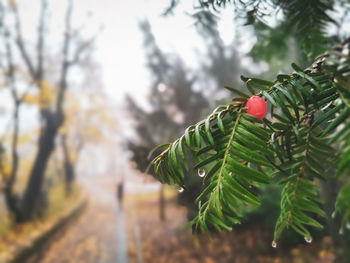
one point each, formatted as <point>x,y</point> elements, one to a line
<point>119,47</point>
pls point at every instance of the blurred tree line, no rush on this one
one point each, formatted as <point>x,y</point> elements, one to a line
<point>36,77</point>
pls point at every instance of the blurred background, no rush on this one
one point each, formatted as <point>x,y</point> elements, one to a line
<point>88,88</point>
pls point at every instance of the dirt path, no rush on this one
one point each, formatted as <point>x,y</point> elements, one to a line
<point>97,236</point>
<point>122,239</point>
<point>106,234</point>
<point>170,242</point>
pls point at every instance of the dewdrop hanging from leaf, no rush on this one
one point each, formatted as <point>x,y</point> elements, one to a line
<point>257,107</point>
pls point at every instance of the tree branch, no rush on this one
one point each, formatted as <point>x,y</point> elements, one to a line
<point>65,62</point>
<point>80,50</point>
<point>21,45</point>
<point>10,76</point>
<point>41,42</point>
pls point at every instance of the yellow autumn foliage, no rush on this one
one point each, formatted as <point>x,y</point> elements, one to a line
<point>74,107</point>
<point>92,132</point>
<point>71,110</point>
<point>73,156</point>
<point>46,95</point>
<point>6,169</point>
<point>5,166</point>
<point>64,129</point>
<point>107,119</point>
<point>25,138</point>
<point>30,99</point>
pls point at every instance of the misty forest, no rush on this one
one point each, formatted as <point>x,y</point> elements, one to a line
<point>208,131</point>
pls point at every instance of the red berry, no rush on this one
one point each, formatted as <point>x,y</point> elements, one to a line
<point>257,107</point>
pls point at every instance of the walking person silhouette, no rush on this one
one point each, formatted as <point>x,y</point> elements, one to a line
<point>120,192</point>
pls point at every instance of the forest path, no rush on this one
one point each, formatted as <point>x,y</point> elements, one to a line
<point>98,235</point>
<point>122,238</point>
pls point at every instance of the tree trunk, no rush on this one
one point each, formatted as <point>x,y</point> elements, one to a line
<point>68,166</point>
<point>161,204</point>
<point>53,115</point>
<point>10,199</point>
<point>330,193</point>
<point>12,204</point>
<point>34,186</point>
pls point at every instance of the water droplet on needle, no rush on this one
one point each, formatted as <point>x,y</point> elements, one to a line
<point>308,239</point>
<point>274,244</point>
<point>201,172</point>
<point>161,87</point>
<point>333,215</point>
<point>181,190</point>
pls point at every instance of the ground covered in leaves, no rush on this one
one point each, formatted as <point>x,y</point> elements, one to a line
<point>108,232</point>
<point>170,242</point>
<point>17,237</point>
<point>90,238</point>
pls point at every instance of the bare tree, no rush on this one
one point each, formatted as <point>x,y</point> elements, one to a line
<point>52,116</point>
<point>68,166</point>
<point>9,72</point>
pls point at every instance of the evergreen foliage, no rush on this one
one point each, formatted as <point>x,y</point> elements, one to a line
<point>296,146</point>
<point>307,22</point>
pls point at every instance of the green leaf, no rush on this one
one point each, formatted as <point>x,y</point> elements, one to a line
<point>313,82</point>
<point>283,107</point>
<point>290,99</point>
<point>296,67</point>
<point>219,122</point>
<point>240,191</point>
<point>254,155</point>
<point>247,172</point>
<point>338,120</point>
<point>252,145</point>
<point>197,135</point>
<point>251,118</point>
<point>188,137</point>
<point>257,130</point>
<point>206,191</point>
<point>327,115</point>
<point>261,82</point>
<point>175,161</point>
<point>237,91</point>
<point>207,161</point>
<point>207,131</point>
<point>251,136</point>
<point>156,149</point>
<point>182,152</point>
<point>269,98</point>
<point>211,172</point>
